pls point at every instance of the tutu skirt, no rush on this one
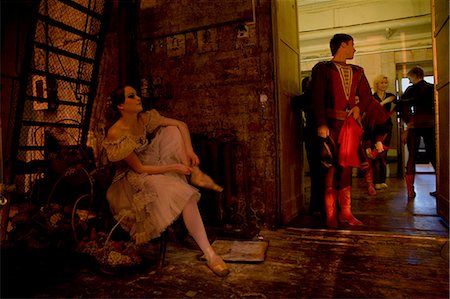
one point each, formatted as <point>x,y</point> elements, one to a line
<point>146,204</point>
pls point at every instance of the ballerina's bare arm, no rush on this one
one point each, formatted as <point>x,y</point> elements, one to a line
<point>193,159</point>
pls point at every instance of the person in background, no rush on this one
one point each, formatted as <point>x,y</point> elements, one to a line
<point>312,147</point>
<point>153,155</point>
<point>416,108</point>
<point>340,92</point>
<point>379,138</point>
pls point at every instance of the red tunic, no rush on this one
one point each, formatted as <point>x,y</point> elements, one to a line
<point>332,98</point>
<point>328,92</point>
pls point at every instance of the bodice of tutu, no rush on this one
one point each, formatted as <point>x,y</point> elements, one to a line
<point>119,149</point>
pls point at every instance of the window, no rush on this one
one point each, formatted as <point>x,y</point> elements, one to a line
<point>406,83</point>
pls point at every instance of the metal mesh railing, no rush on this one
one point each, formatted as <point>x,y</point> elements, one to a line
<point>59,85</point>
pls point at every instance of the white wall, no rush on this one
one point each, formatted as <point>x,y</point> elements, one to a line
<point>376,25</point>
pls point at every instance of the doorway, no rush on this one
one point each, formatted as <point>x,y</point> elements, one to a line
<point>402,83</point>
<point>377,53</point>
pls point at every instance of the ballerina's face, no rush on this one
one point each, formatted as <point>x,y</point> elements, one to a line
<point>132,101</point>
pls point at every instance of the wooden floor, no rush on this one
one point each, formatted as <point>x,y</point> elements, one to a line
<point>401,252</point>
<point>390,210</point>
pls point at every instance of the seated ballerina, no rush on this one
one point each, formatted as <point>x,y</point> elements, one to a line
<point>150,188</point>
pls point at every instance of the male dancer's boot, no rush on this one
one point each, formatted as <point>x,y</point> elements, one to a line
<point>345,212</point>
<point>410,185</point>
<point>369,181</point>
<point>330,207</point>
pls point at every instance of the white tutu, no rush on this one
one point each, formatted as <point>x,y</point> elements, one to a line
<point>146,204</point>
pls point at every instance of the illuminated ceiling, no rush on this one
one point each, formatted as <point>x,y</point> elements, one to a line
<point>376,25</point>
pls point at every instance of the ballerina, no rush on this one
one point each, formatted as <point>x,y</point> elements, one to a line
<point>150,188</point>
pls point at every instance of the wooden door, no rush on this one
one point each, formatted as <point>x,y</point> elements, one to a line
<point>440,33</point>
<point>287,82</point>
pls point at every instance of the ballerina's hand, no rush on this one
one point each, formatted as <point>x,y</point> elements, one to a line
<point>182,169</point>
<point>193,159</point>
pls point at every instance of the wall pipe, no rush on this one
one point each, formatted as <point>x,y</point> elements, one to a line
<point>359,29</point>
<point>371,52</point>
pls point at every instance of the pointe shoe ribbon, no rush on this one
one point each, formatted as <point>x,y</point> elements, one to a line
<point>202,180</point>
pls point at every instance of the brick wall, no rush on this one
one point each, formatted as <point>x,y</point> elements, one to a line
<point>208,64</point>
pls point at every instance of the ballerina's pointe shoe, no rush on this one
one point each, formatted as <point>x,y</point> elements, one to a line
<point>202,180</point>
<point>218,266</point>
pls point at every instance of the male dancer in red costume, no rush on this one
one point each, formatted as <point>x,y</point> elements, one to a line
<point>340,91</point>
